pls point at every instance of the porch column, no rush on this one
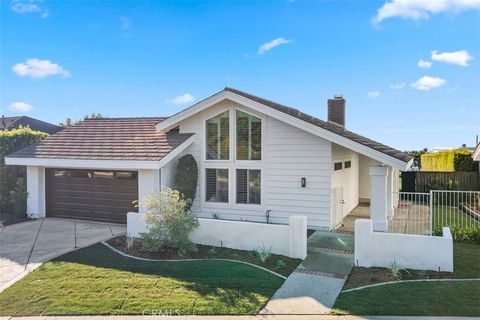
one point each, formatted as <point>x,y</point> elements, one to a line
<point>389,192</point>
<point>148,182</point>
<point>378,198</point>
<point>36,191</point>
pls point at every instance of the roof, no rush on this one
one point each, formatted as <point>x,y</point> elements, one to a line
<point>327,126</point>
<point>132,139</point>
<point>24,121</point>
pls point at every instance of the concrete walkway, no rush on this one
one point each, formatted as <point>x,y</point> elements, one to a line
<point>314,286</point>
<point>27,245</point>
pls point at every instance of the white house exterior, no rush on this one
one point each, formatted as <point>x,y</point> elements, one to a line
<point>253,155</point>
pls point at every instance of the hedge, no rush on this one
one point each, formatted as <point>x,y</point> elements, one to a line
<point>453,160</point>
<point>186,178</point>
<point>12,178</point>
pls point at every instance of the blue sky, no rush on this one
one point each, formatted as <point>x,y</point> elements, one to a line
<point>66,59</point>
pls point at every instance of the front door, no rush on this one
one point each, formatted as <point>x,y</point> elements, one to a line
<point>337,207</point>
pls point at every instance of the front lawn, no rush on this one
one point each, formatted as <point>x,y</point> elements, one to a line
<point>96,280</point>
<point>452,298</point>
<point>413,298</point>
<point>447,216</point>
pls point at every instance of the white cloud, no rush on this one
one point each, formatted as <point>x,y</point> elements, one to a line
<point>37,69</point>
<point>28,6</point>
<point>456,57</point>
<point>422,9</point>
<point>20,107</point>
<point>373,94</point>
<point>424,64</point>
<point>264,48</point>
<point>397,86</point>
<point>426,83</point>
<point>182,99</point>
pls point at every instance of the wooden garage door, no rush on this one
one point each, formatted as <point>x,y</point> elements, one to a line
<point>91,194</point>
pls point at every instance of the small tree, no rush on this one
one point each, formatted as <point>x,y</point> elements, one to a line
<point>186,178</point>
<point>169,223</point>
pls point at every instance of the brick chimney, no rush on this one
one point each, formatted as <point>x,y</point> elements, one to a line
<point>336,110</point>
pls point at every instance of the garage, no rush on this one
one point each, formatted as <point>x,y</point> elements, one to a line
<point>96,195</point>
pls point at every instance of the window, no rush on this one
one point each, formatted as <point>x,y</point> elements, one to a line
<point>217,137</point>
<point>248,186</point>
<point>249,137</point>
<point>337,166</point>
<point>217,185</point>
<point>120,175</point>
<point>103,175</point>
<point>348,164</point>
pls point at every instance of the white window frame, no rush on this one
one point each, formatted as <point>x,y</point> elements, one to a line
<point>261,187</point>
<point>204,136</point>
<point>232,164</point>
<point>205,186</point>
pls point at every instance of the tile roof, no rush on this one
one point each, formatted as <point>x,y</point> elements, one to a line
<point>327,126</point>
<point>133,139</point>
<point>24,121</point>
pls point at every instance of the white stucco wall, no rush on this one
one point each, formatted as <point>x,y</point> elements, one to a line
<point>36,191</point>
<point>380,249</point>
<point>346,178</point>
<point>288,155</point>
<point>289,240</point>
<point>148,182</point>
<point>364,163</point>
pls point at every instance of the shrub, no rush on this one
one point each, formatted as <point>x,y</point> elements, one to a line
<point>395,269</point>
<point>11,141</point>
<point>452,160</point>
<point>462,234</point>
<point>264,254</point>
<point>439,184</point>
<point>186,178</point>
<point>280,264</point>
<point>18,197</point>
<point>169,223</point>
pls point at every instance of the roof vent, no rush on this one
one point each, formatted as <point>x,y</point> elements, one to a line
<point>336,110</point>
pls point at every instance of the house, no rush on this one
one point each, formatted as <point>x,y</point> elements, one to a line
<point>24,121</point>
<point>253,155</point>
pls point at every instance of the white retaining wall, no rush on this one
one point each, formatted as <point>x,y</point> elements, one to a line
<point>289,240</point>
<point>380,249</point>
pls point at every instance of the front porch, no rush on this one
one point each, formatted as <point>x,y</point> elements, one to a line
<point>409,217</point>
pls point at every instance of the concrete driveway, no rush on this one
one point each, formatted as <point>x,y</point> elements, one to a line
<point>27,245</point>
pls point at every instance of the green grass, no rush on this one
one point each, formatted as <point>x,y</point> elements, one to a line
<point>422,298</point>
<point>414,298</point>
<point>466,260</point>
<point>95,280</point>
<point>444,216</point>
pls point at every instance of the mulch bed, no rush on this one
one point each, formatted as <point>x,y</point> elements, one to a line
<point>361,276</point>
<point>287,266</point>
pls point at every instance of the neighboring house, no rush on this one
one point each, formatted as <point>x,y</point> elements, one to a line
<point>24,121</point>
<point>253,155</point>
<point>476,153</point>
